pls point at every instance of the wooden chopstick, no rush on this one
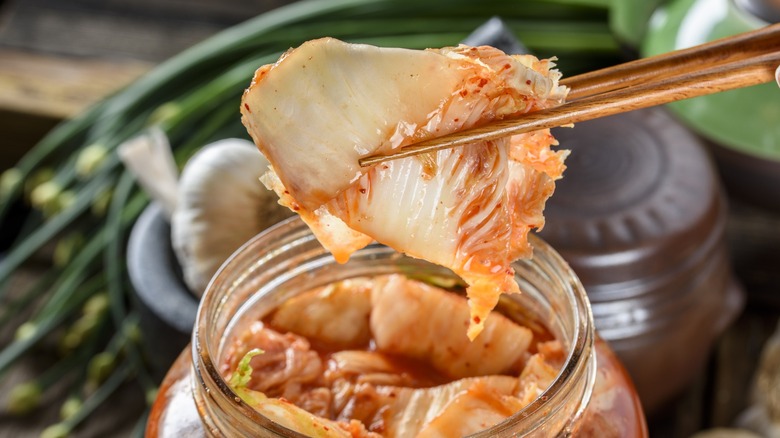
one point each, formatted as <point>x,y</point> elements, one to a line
<point>643,83</point>
<point>736,48</point>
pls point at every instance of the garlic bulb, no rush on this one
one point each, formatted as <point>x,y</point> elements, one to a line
<point>763,415</point>
<point>220,205</point>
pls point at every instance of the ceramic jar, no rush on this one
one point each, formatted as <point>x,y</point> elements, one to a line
<point>640,216</point>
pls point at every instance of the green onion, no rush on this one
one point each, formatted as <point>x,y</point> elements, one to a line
<point>66,426</point>
<point>27,396</point>
<point>44,324</point>
<point>15,307</point>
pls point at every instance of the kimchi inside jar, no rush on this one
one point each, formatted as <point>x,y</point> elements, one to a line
<point>290,343</point>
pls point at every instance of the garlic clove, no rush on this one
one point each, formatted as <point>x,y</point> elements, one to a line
<point>220,205</point>
<point>149,157</point>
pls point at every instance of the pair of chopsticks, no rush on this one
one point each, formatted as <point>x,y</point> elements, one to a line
<point>734,62</point>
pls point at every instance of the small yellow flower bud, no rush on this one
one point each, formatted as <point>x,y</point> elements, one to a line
<point>90,159</point>
<point>45,194</point>
<point>26,330</point>
<point>66,247</point>
<point>37,178</point>
<point>8,180</point>
<point>163,113</point>
<point>58,430</point>
<point>78,332</point>
<point>24,398</point>
<point>66,199</point>
<point>96,304</point>
<point>151,395</point>
<point>70,407</point>
<point>133,333</point>
<point>101,202</point>
<point>63,201</point>
<point>100,367</point>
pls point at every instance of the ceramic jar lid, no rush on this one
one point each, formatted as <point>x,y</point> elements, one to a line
<point>767,10</point>
<point>639,197</point>
<point>640,217</point>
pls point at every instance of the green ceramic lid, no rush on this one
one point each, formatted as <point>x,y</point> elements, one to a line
<point>748,119</point>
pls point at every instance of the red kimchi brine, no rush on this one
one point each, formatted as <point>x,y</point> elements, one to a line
<point>388,357</point>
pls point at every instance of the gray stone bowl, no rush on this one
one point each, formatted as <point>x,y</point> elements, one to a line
<point>165,305</point>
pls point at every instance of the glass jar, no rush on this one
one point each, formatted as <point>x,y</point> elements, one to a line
<point>592,395</point>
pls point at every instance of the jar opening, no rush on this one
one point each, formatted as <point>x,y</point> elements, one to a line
<point>286,260</point>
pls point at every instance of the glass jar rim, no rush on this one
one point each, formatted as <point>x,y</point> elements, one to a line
<point>280,238</point>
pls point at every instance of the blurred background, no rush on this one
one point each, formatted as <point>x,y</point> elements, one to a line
<point>691,320</point>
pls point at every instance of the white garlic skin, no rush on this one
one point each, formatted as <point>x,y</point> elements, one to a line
<point>221,204</point>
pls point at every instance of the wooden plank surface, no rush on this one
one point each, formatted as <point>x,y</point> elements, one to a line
<point>59,86</point>
<point>38,90</point>
<point>148,30</point>
<point>58,57</point>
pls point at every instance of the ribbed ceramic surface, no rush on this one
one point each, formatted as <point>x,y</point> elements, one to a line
<point>639,194</point>
<point>640,217</point>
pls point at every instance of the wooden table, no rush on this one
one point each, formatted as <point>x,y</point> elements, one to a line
<point>60,57</point>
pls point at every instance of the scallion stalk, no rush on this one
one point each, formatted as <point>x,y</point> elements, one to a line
<point>63,428</point>
<point>43,326</point>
